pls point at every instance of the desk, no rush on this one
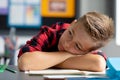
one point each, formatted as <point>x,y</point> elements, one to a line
<point>6,75</point>
<point>22,76</point>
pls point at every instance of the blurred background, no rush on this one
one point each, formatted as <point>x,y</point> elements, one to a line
<point>22,19</point>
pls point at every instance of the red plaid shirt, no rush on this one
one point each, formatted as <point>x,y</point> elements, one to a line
<point>47,39</point>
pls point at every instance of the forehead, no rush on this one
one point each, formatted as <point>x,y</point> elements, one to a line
<point>82,37</point>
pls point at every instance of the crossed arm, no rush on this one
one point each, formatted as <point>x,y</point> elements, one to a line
<point>42,60</point>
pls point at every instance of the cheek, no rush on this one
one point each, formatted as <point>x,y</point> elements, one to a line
<point>74,51</point>
<point>63,37</point>
<point>61,42</point>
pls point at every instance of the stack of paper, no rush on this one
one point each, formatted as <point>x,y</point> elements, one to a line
<point>64,71</point>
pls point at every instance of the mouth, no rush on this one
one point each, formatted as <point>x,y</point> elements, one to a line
<point>61,48</point>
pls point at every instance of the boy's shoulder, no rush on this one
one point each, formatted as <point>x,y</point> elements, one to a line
<point>57,26</point>
<point>60,25</point>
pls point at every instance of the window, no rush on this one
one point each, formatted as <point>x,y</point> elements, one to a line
<point>118,22</point>
<point>24,13</point>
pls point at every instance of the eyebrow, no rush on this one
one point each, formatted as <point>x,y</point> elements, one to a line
<point>72,31</point>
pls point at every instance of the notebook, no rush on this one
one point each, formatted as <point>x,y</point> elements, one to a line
<point>64,72</point>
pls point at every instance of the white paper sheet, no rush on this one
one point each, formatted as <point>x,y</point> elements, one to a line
<point>64,72</point>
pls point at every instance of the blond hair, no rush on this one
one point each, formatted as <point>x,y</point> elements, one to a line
<point>99,26</point>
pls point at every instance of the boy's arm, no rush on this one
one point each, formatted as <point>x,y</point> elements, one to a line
<point>90,62</point>
<point>41,60</point>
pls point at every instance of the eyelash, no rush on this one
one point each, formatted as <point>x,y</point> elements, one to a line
<point>70,33</point>
<point>77,46</point>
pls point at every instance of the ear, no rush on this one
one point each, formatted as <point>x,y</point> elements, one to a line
<point>73,22</point>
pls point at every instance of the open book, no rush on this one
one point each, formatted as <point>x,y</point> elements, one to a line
<point>64,72</point>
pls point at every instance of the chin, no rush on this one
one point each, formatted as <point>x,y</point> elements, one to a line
<point>60,49</point>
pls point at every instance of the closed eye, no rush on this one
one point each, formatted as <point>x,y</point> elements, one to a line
<point>78,48</point>
<point>70,33</point>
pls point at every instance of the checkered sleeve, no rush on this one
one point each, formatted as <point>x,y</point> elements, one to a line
<point>43,40</point>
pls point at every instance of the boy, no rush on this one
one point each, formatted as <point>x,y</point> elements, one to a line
<point>71,46</point>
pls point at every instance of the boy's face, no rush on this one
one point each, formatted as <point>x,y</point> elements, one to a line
<point>76,40</point>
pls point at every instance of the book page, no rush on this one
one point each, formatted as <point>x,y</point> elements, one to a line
<point>64,71</point>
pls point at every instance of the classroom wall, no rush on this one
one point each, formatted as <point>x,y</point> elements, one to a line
<point>92,5</point>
